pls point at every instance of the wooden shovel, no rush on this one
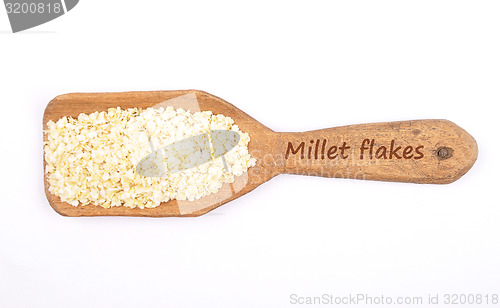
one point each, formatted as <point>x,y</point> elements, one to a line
<point>419,151</point>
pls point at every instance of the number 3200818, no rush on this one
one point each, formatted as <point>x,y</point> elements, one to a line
<point>33,8</point>
<point>471,299</point>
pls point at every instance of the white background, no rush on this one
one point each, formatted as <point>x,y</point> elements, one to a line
<point>294,66</point>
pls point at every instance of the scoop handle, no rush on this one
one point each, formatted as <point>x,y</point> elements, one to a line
<point>419,151</point>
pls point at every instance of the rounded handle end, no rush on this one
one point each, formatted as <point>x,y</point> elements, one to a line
<point>455,153</point>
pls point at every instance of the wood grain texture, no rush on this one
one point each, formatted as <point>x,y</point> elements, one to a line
<point>425,141</point>
<point>447,151</point>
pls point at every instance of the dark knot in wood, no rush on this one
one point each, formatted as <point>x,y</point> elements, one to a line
<point>444,153</point>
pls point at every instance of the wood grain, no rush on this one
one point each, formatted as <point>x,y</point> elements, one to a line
<point>445,151</point>
<point>425,141</point>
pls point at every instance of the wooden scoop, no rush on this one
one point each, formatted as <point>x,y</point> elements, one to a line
<point>420,151</point>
